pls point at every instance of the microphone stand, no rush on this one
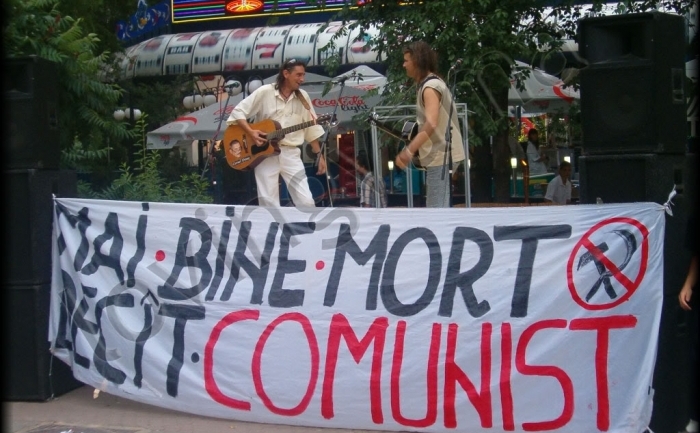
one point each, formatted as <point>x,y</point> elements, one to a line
<point>448,131</point>
<point>210,153</point>
<point>324,144</point>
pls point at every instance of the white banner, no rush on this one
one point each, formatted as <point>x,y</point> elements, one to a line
<point>478,320</point>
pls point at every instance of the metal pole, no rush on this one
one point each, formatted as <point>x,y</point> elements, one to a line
<point>526,183</point>
<point>467,180</point>
<point>377,165</point>
<point>409,185</point>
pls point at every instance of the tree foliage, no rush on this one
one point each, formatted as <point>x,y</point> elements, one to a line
<point>86,101</point>
<point>146,182</point>
<point>90,138</point>
<point>489,35</point>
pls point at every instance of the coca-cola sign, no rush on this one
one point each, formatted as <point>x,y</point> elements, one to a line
<point>346,103</point>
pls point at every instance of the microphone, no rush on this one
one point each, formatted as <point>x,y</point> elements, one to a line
<point>232,84</point>
<point>457,63</point>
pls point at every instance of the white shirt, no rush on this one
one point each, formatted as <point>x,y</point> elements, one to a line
<point>557,191</point>
<point>267,103</point>
<point>536,167</point>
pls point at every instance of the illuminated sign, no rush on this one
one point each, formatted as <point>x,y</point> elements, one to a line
<point>203,10</point>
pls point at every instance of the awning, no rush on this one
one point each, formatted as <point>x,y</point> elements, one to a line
<point>209,123</point>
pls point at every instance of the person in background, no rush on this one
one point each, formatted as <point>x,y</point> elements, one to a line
<point>537,161</point>
<point>559,188</point>
<point>369,183</point>
<point>285,102</point>
<point>687,301</point>
<point>433,102</point>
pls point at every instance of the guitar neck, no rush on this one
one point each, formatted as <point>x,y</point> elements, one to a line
<point>284,131</point>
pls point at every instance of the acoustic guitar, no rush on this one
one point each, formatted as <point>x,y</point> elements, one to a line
<point>243,154</point>
<point>409,129</point>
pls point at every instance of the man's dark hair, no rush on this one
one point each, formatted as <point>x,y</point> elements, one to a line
<point>288,65</point>
<point>363,160</point>
<point>564,164</point>
<point>531,132</point>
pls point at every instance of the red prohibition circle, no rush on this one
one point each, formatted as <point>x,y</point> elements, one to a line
<point>630,285</point>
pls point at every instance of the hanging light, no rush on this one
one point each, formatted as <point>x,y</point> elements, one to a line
<point>192,102</point>
<point>253,84</point>
<point>128,113</point>
<point>513,163</point>
<point>209,99</point>
<point>188,102</point>
<point>133,113</point>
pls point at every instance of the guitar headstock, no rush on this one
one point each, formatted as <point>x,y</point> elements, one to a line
<point>325,118</point>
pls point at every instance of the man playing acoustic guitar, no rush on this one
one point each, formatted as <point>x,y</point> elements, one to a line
<point>287,104</point>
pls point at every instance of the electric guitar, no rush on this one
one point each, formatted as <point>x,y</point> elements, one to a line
<point>243,154</point>
<point>409,129</point>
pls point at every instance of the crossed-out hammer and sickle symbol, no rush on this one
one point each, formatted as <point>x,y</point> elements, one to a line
<point>603,273</point>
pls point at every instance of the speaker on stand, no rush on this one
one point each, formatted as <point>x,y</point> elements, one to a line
<point>31,177</point>
<point>31,93</point>
<point>33,373</point>
<point>632,94</point>
<point>633,112</point>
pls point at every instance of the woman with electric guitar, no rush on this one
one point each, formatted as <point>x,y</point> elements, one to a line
<point>284,121</point>
<point>432,112</point>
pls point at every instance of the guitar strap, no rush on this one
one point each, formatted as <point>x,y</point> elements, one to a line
<point>425,80</point>
<point>305,103</point>
<point>303,100</point>
<point>420,89</point>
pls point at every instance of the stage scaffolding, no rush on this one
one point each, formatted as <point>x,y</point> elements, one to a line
<point>402,113</point>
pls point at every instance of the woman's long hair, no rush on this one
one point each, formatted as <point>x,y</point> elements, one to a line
<point>423,56</point>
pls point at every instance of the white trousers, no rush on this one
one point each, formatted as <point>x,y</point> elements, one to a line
<point>288,164</point>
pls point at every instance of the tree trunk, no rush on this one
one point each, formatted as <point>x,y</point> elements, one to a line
<point>482,174</point>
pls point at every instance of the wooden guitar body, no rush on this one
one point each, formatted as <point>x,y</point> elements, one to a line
<point>243,154</point>
<point>241,151</point>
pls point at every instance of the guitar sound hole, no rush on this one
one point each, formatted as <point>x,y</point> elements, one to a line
<point>258,149</point>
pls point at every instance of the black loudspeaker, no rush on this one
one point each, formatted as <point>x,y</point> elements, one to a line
<point>31,93</point>
<point>31,372</point>
<point>690,180</point>
<point>673,371</point>
<point>29,221</point>
<point>644,178</point>
<point>628,178</point>
<point>651,177</point>
<point>632,91</point>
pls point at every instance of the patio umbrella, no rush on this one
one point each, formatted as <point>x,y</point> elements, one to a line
<point>207,123</point>
<point>350,99</point>
<point>543,93</point>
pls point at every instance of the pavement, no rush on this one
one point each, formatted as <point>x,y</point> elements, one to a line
<point>78,412</point>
